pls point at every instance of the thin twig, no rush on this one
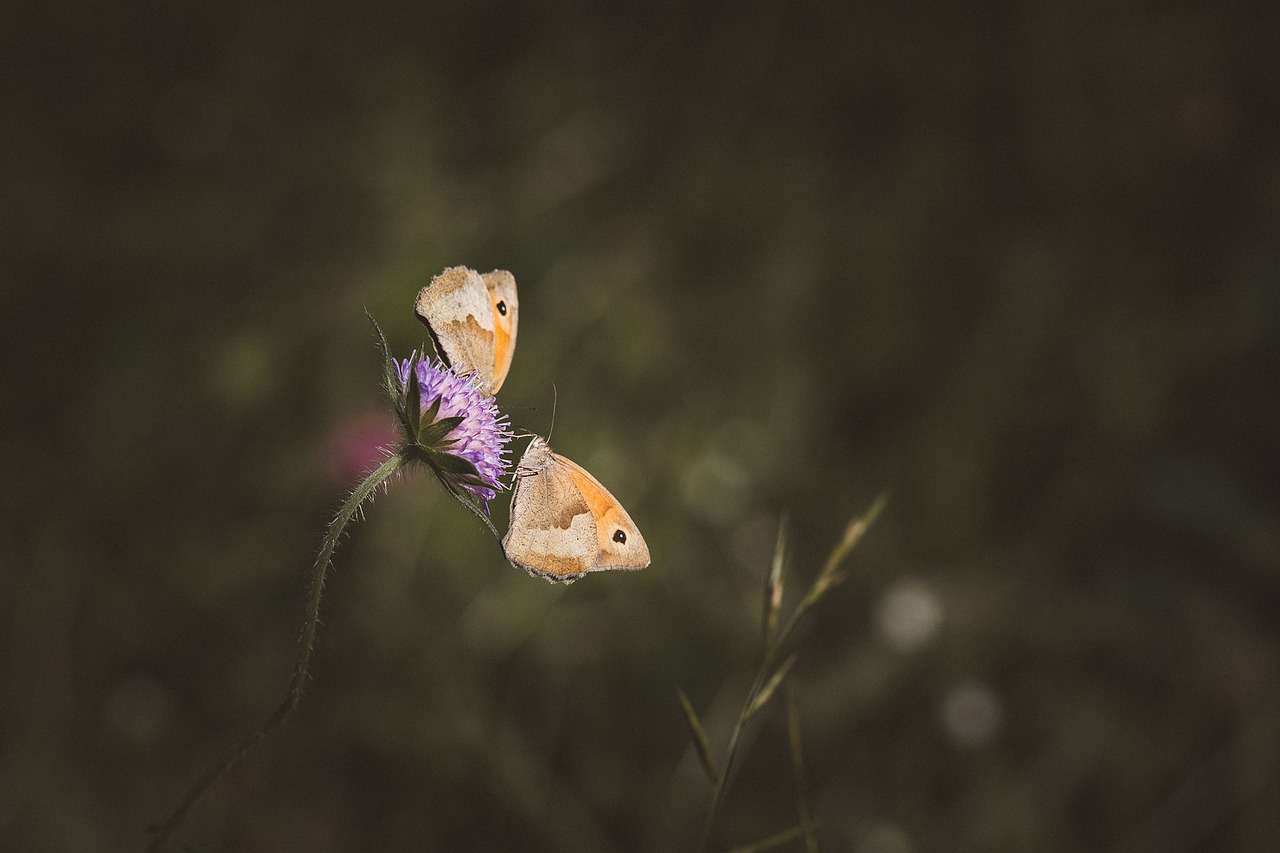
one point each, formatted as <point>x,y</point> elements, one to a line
<point>797,766</point>
<point>735,737</point>
<point>775,840</point>
<point>826,579</point>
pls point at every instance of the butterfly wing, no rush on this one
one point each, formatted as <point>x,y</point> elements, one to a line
<point>505,308</point>
<point>565,524</point>
<point>552,533</point>
<point>459,314</point>
<point>619,544</point>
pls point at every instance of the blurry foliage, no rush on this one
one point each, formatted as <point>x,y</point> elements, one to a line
<point>1017,263</point>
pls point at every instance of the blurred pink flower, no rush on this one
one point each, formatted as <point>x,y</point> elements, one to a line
<point>357,445</point>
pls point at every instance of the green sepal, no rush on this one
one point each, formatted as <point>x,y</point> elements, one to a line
<point>413,401</point>
<point>433,411</point>
<point>431,433</point>
<point>390,376</point>
<point>467,499</point>
<point>402,415</point>
<point>448,463</point>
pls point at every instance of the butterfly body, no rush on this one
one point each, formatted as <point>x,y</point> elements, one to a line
<point>472,319</point>
<point>564,523</point>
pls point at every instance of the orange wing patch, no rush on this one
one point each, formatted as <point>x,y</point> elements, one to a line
<point>505,305</point>
<point>609,517</point>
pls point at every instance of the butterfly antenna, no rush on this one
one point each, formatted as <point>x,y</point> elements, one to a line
<point>553,412</point>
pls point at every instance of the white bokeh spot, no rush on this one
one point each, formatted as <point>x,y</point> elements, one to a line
<point>909,615</point>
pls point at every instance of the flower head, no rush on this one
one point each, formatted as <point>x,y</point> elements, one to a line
<point>456,426</point>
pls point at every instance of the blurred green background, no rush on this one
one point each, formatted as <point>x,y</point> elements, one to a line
<point>1015,262</point>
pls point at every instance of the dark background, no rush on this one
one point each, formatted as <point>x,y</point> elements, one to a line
<point>1015,262</point>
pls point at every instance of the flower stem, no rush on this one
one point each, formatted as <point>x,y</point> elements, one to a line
<point>306,643</point>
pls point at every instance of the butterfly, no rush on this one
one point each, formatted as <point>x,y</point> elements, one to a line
<point>472,320</point>
<point>564,523</point>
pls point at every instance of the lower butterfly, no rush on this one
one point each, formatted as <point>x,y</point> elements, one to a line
<point>565,524</point>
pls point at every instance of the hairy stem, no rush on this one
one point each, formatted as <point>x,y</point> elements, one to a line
<point>306,643</point>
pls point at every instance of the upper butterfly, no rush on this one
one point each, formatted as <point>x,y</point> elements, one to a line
<point>472,320</point>
<point>564,523</point>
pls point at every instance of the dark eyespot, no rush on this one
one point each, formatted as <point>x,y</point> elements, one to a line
<point>619,537</point>
<point>502,307</point>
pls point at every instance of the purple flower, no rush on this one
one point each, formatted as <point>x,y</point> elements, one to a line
<point>479,435</point>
